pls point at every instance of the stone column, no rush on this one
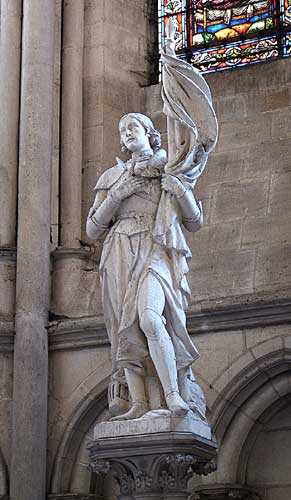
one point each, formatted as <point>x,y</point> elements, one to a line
<point>71,132</point>
<point>29,436</point>
<point>10,31</point>
<point>69,260</point>
<point>9,101</point>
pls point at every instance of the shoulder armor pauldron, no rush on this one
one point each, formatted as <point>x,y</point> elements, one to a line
<point>110,176</point>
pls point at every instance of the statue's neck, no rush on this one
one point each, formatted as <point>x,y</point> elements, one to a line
<point>140,154</point>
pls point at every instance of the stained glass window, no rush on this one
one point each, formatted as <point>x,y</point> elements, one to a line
<point>220,34</point>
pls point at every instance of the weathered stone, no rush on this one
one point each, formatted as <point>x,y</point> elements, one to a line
<point>280,199</point>
<point>273,270</point>
<point>270,99</point>
<point>265,76</point>
<point>235,134</point>
<point>222,236</point>
<point>28,464</point>
<point>237,200</point>
<point>271,229</point>
<point>7,283</point>
<point>9,102</point>
<point>214,355</point>
<point>215,275</point>
<point>72,122</point>
<point>75,284</point>
<point>258,335</point>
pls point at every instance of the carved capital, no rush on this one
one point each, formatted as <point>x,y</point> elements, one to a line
<point>100,466</point>
<point>159,474</point>
<point>176,470</point>
<point>153,465</point>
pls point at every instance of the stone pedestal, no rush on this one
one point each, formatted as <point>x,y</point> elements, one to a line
<point>154,422</point>
<point>153,465</point>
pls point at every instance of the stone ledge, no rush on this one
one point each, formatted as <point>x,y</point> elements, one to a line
<point>76,253</point>
<point>91,332</point>
<point>150,444</point>
<point>78,333</point>
<point>240,316</point>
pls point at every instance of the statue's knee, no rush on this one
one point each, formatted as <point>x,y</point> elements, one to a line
<point>151,323</point>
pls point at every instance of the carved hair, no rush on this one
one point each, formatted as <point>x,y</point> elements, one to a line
<point>154,136</point>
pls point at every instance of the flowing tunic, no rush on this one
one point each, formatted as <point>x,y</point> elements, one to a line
<point>129,254</point>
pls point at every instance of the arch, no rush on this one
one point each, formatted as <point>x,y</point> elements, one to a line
<point>248,420</point>
<point>268,415</point>
<point>255,391</point>
<point>247,375</point>
<point>81,420</point>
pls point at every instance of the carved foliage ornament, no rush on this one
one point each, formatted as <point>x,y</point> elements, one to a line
<point>169,472</point>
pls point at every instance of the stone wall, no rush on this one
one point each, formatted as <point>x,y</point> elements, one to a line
<point>243,252</point>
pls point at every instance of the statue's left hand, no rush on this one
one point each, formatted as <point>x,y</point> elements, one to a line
<point>172,185</point>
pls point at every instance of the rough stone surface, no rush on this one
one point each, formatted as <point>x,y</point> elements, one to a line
<point>28,462</point>
<point>72,121</point>
<point>9,102</point>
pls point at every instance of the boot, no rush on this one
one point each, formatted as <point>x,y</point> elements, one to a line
<point>136,388</point>
<point>163,356</point>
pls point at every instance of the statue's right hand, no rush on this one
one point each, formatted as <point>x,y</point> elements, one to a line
<point>128,187</point>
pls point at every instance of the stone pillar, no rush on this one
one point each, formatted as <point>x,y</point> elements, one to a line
<point>9,101</point>
<point>70,262</point>
<point>10,31</point>
<point>29,436</point>
<point>71,132</point>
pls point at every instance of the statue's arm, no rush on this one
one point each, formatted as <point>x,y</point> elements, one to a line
<point>101,214</point>
<point>107,203</point>
<point>192,212</point>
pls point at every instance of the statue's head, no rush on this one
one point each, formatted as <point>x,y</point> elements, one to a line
<point>137,133</point>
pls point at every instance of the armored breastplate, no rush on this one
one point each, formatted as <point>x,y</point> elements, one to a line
<point>137,213</point>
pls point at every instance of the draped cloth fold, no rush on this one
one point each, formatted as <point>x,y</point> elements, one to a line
<point>192,135</point>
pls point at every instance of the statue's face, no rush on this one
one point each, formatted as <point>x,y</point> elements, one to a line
<point>133,135</point>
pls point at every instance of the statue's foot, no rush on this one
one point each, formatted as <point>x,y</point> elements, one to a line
<point>176,404</point>
<point>136,411</point>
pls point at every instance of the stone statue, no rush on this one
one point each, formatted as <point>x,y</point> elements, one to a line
<point>142,206</point>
